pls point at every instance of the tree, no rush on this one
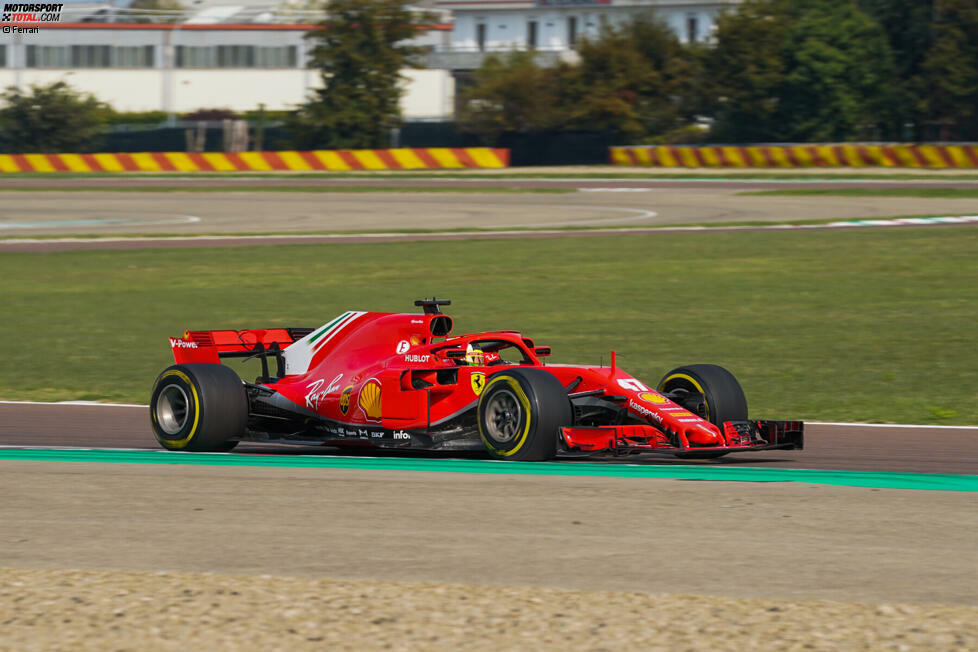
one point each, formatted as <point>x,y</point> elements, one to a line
<point>359,50</point>
<point>909,29</point>
<point>49,119</point>
<point>807,70</point>
<point>950,72</point>
<point>631,79</point>
<point>512,94</point>
<point>839,74</point>
<point>748,69</point>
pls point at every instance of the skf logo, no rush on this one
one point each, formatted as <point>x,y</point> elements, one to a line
<point>478,383</point>
<point>345,399</point>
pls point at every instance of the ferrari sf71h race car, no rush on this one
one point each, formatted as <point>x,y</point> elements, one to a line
<point>394,380</point>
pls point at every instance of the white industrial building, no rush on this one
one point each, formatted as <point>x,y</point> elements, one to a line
<point>242,56</point>
<point>560,24</point>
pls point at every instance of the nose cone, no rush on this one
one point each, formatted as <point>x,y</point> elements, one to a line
<point>702,437</point>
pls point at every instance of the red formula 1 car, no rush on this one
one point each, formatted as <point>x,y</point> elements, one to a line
<point>393,380</point>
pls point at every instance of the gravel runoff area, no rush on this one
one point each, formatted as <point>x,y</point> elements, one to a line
<point>97,610</point>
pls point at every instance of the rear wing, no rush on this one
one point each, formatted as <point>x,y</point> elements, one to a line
<point>212,346</point>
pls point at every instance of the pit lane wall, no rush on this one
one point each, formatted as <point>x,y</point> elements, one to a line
<point>299,161</point>
<point>795,156</point>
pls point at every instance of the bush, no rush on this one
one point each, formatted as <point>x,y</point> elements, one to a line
<point>50,119</point>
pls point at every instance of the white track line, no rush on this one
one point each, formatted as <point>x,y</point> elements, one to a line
<point>885,425</point>
<point>812,423</point>
<point>82,403</point>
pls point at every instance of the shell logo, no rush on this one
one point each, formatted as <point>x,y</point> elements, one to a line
<point>369,399</point>
<point>652,397</point>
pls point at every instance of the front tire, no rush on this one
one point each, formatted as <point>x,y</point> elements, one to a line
<point>722,396</point>
<point>519,414</point>
<point>709,391</point>
<point>198,407</point>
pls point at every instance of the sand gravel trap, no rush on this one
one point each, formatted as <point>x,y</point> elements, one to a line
<point>86,610</point>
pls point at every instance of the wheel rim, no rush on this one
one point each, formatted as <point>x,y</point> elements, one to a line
<point>503,416</point>
<point>683,388</point>
<point>172,409</point>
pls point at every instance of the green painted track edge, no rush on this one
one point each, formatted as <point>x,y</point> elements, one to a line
<point>878,480</point>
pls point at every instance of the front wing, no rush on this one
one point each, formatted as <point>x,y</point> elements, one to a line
<point>739,437</point>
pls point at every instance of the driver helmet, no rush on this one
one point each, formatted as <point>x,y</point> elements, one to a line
<point>474,356</point>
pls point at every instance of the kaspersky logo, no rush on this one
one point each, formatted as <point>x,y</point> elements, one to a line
<point>18,12</point>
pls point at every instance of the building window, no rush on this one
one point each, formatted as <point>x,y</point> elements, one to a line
<point>133,56</point>
<point>692,29</point>
<point>531,34</point>
<point>480,36</point>
<point>277,57</point>
<point>90,56</point>
<point>3,56</point>
<point>571,31</point>
<point>237,56</point>
<point>191,56</point>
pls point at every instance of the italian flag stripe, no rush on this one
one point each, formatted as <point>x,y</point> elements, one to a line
<point>325,329</point>
<point>346,319</point>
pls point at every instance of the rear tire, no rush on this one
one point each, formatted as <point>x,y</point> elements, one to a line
<point>519,414</point>
<point>723,398</point>
<point>198,407</point>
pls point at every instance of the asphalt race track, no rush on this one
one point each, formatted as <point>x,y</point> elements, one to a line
<point>831,447</point>
<point>597,203</point>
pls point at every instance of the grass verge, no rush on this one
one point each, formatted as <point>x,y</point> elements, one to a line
<point>872,325</point>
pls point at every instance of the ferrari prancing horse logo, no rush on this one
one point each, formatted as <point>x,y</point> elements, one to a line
<point>478,383</point>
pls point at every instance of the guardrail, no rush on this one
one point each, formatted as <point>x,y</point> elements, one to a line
<point>298,161</point>
<point>791,156</point>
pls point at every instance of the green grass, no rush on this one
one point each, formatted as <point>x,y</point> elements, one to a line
<point>482,190</point>
<point>874,325</point>
<point>945,193</point>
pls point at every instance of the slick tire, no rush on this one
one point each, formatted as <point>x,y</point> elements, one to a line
<point>519,414</point>
<point>198,407</point>
<point>723,397</point>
